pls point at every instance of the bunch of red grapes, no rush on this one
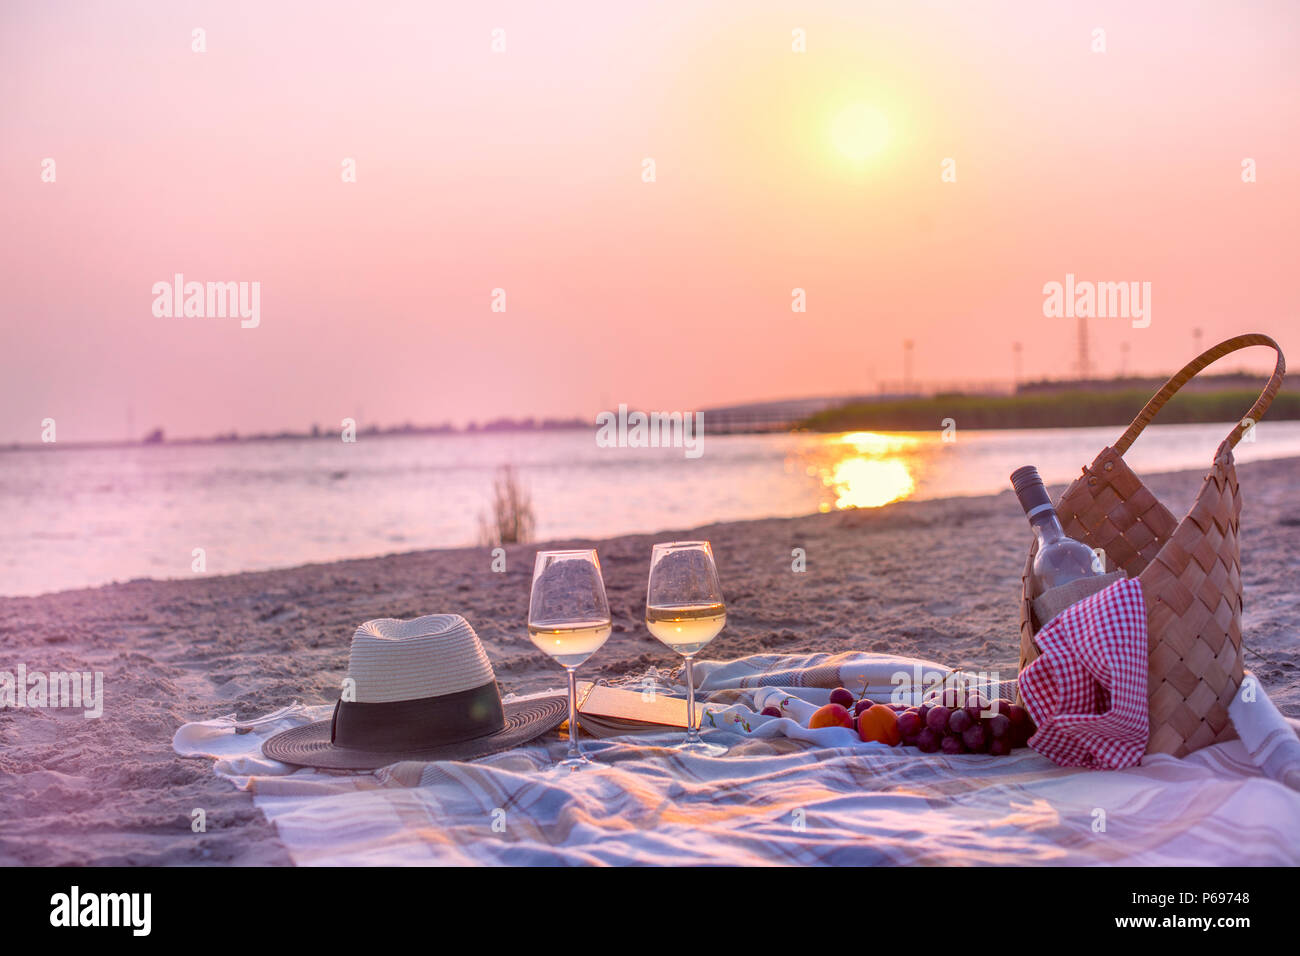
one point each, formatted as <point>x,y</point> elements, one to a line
<point>955,722</point>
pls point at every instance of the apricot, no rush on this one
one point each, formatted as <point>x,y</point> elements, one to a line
<point>880,724</point>
<point>832,715</point>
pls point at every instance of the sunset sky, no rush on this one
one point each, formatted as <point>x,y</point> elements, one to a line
<point>522,170</point>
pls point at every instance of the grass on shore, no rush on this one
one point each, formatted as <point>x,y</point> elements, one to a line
<point>512,520</point>
<point>1058,410</point>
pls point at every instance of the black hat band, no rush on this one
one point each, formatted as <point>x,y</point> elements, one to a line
<point>413,725</point>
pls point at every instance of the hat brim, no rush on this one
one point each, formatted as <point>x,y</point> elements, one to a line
<point>309,745</point>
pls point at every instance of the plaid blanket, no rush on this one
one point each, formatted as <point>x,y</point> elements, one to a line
<point>781,795</point>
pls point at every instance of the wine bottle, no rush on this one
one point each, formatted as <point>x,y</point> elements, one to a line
<point>1060,558</point>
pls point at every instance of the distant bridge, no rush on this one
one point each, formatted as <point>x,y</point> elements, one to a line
<point>771,416</point>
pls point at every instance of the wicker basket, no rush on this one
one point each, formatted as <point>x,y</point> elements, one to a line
<point>1190,570</point>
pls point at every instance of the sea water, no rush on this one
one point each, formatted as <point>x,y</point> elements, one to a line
<point>76,517</point>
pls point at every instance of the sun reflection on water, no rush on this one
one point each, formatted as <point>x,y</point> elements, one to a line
<point>866,469</point>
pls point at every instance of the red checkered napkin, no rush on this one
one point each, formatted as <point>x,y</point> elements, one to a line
<point>1087,691</point>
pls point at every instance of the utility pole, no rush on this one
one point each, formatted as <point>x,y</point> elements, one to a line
<point>1016,349</point>
<point>907,366</point>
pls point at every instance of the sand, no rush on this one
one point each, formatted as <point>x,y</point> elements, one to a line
<point>936,579</point>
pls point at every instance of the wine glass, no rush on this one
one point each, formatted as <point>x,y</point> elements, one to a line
<point>684,609</point>
<point>568,618</point>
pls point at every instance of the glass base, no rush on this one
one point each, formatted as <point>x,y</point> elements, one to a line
<point>700,748</point>
<point>580,762</point>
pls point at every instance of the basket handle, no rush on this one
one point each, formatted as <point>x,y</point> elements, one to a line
<point>1188,371</point>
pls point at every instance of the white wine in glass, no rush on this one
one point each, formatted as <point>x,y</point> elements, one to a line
<point>686,628</point>
<point>570,644</point>
<point>568,618</point>
<point>684,609</point>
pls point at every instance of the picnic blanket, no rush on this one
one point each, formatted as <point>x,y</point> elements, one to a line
<point>782,794</point>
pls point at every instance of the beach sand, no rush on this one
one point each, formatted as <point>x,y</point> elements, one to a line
<point>936,579</point>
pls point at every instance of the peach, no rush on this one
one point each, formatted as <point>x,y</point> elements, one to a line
<point>832,715</point>
<point>879,724</point>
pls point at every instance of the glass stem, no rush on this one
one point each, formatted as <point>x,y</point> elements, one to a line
<point>691,733</point>
<point>573,713</point>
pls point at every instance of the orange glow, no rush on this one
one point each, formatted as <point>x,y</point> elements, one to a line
<point>895,168</point>
<point>870,483</point>
<point>867,469</point>
<point>860,132</point>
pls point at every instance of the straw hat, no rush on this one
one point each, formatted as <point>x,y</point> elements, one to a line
<point>421,689</point>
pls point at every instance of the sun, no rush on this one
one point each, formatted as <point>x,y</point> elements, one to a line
<point>860,131</point>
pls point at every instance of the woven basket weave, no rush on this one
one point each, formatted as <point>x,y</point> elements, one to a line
<point>1190,570</point>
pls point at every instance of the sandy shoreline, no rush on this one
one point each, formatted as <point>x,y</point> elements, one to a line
<point>936,579</point>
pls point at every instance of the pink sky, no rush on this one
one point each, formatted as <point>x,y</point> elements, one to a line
<point>522,170</point>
